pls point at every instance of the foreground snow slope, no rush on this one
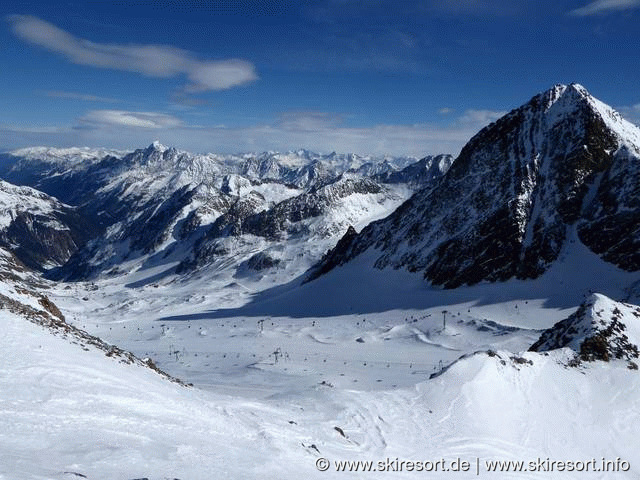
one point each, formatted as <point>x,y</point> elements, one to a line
<point>66,411</point>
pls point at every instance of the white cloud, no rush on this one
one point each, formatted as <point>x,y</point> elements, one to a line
<point>79,96</point>
<point>161,61</point>
<point>319,131</point>
<point>480,117</point>
<point>309,121</point>
<point>631,113</point>
<point>220,75</point>
<point>445,111</point>
<point>604,6</point>
<point>130,119</point>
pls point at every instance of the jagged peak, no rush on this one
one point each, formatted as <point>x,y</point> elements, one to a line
<point>562,101</point>
<point>554,93</point>
<point>560,93</point>
<point>579,89</point>
<point>157,146</point>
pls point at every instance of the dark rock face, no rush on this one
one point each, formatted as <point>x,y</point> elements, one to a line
<point>504,207</point>
<point>232,223</point>
<point>39,230</point>
<point>260,261</point>
<point>151,228</point>
<point>611,225</point>
<point>35,243</point>
<point>598,330</point>
<point>38,244</point>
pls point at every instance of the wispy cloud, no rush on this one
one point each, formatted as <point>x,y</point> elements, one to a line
<point>631,113</point>
<point>309,121</point>
<point>79,96</point>
<point>598,7</point>
<point>33,130</point>
<point>480,117</point>
<point>319,131</point>
<point>122,118</point>
<point>160,61</point>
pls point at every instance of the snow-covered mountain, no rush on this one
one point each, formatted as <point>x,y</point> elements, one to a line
<point>45,168</point>
<point>39,230</point>
<point>320,215</point>
<point>506,205</point>
<point>418,174</point>
<point>171,205</point>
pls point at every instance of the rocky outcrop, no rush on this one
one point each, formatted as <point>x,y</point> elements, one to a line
<point>601,329</point>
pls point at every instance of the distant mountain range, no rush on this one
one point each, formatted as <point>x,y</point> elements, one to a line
<point>163,205</point>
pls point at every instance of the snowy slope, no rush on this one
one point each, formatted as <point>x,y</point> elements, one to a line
<point>14,200</point>
<point>68,411</point>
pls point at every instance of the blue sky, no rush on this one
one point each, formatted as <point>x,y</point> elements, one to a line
<point>397,77</point>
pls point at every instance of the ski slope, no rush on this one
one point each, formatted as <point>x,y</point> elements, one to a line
<point>389,384</point>
<point>67,412</point>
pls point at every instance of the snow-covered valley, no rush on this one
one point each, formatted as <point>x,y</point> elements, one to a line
<point>273,393</point>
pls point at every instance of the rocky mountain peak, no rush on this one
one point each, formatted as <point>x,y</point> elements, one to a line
<point>156,146</point>
<point>505,206</point>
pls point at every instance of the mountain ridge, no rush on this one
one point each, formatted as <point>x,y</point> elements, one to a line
<point>504,206</point>
<point>163,202</point>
